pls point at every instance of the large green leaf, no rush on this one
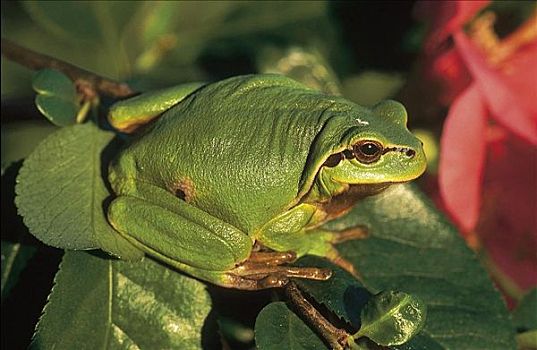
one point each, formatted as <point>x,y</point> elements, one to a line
<point>413,249</point>
<point>100,303</point>
<point>278,328</point>
<point>60,192</point>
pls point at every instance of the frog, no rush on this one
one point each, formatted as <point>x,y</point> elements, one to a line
<point>231,181</point>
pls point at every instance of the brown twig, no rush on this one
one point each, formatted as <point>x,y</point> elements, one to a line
<point>335,337</point>
<point>35,60</point>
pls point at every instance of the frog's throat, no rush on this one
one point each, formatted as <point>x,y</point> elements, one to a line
<point>335,205</point>
<point>325,189</point>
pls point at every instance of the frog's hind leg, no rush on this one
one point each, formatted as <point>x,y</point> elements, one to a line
<point>262,270</point>
<point>199,244</point>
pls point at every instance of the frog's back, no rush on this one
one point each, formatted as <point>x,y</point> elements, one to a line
<point>237,148</point>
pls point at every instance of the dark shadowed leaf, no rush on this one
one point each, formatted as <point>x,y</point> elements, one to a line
<point>100,303</point>
<point>278,328</point>
<point>16,250</point>
<point>14,259</point>
<point>342,293</point>
<point>60,192</point>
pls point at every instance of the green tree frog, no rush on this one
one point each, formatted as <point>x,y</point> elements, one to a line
<point>236,177</point>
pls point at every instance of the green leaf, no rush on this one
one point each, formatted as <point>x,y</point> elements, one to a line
<point>99,303</point>
<point>525,314</point>
<point>413,249</point>
<point>60,192</point>
<point>392,318</point>
<point>94,27</point>
<point>56,97</point>
<point>82,21</point>
<point>277,327</point>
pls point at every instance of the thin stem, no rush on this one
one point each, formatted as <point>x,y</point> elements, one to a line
<point>335,337</point>
<point>35,60</point>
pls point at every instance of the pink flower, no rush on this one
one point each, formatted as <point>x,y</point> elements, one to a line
<point>488,160</point>
<point>443,62</point>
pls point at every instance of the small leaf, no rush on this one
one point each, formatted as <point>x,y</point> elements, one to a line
<point>56,97</point>
<point>277,327</point>
<point>392,318</point>
<point>99,303</point>
<point>60,192</point>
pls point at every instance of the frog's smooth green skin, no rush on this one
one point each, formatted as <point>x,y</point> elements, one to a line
<point>255,159</point>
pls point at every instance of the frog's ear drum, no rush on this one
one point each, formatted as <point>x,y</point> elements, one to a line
<point>391,110</point>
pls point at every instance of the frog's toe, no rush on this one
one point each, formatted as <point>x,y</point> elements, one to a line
<point>340,261</point>
<point>255,276</point>
<point>259,271</point>
<point>356,232</point>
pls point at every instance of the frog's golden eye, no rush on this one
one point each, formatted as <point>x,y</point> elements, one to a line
<point>367,151</point>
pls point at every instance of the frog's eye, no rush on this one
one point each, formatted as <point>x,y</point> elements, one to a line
<point>367,151</point>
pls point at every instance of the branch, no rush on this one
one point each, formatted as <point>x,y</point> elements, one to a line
<point>335,337</point>
<point>81,77</point>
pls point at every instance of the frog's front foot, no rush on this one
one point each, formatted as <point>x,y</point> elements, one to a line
<point>356,232</point>
<point>263,270</point>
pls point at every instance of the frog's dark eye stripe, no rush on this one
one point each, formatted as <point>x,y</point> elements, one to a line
<point>368,151</point>
<point>408,151</point>
<point>348,154</point>
<point>336,158</point>
<point>333,160</point>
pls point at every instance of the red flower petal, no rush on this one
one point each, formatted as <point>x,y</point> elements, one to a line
<point>508,228</point>
<point>502,99</point>
<point>450,71</point>
<point>521,75</point>
<point>445,17</point>
<point>462,158</point>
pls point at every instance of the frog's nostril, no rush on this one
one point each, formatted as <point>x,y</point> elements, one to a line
<point>410,153</point>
